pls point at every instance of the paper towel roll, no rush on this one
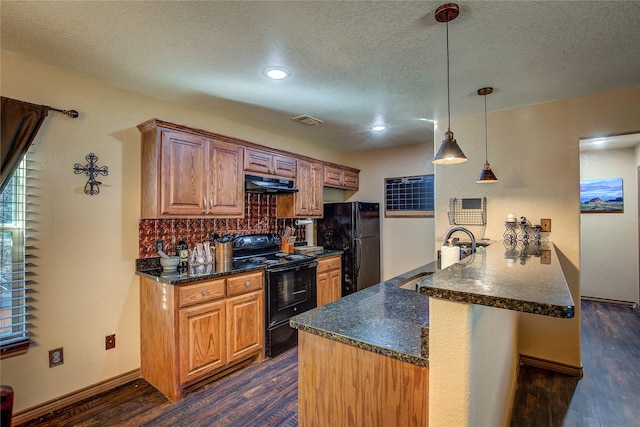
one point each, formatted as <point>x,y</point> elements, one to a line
<point>449,255</point>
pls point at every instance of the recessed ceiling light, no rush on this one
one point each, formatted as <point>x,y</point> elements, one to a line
<point>378,128</point>
<point>276,73</point>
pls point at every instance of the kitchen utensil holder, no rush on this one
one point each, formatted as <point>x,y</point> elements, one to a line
<point>468,211</point>
<point>224,252</point>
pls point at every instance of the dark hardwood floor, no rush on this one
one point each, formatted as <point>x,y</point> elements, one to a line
<point>265,394</point>
<point>609,393</point>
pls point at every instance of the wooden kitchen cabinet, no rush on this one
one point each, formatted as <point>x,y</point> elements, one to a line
<point>226,190</point>
<point>191,332</point>
<point>307,202</point>
<point>329,279</point>
<point>245,332</point>
<point>182,178</point>
<point>339,381</point>
<point>269,163</point>
<point>202,340</point>
<point>189,175</point>
<point>336,177</point>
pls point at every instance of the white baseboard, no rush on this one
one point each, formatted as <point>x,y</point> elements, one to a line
<point>74,397</point>
<point>574,371</point>
<point>611,301</point>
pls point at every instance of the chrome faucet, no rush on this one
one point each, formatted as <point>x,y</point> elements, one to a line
<point>464,230</point>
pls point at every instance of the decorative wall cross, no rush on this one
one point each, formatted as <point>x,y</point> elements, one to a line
<point>91,170</point>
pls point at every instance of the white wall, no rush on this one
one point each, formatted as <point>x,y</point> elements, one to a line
<point>534,152</point>
<point>472,366</point>
<point>86,246</point>
<point>609,241</point>
<point>406,243</point>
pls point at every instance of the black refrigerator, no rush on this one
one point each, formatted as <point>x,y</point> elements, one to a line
<point>353,227</point>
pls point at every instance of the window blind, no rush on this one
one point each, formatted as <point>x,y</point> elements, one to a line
<point>14,268</point>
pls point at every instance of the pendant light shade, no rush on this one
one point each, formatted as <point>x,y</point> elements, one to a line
<point>486,175</point>
<point>449,151</point>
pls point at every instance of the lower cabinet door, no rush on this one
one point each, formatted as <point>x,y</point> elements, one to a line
<point>324,294</point>
<point>202,340</point>
<point>329,286</point>
<point>245,325</point>
<point>335,284</point>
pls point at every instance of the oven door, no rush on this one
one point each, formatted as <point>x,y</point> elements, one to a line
<point>290,291</point>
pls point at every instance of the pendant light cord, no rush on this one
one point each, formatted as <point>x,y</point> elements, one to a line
<point>486,134</point>
<point>448,94</point>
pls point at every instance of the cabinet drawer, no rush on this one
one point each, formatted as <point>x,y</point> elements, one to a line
<point>245,283</point>
<point>331,263</point>
<point>201,292</point>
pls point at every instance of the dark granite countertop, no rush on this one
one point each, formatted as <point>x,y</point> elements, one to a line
<point>526,279</point>
<point>383,318</point>
<point>151,269</point>
<point>393,321</point>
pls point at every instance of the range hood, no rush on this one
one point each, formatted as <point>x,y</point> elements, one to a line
<point>261,184</point>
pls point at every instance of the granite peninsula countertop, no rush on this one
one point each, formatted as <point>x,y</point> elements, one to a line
<point>528,279</point>
<point>382,318</point>
<point>390,320</point>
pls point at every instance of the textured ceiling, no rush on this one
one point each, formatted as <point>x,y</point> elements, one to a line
<point>352,63</point>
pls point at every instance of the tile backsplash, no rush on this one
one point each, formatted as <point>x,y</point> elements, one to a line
<point>260,217</point>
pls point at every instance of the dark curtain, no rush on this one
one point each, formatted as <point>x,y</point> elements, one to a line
<point>20,124</point>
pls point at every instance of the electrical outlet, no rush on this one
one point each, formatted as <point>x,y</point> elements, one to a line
<point>545,225</point>
<point>159,245</point>
<point>110,342</point>
<point>56,357</point>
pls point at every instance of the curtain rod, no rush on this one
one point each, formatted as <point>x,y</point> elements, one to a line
<point>71,113</point>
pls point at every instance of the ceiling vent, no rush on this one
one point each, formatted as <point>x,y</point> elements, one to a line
<point>307,120</point>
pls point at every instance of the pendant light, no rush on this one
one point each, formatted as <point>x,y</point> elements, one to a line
<point>449,151</point>
<point>486,176</point>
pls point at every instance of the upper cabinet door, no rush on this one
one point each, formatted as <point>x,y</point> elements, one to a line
<point>284,166</point>
<point>268,163</point>
<point>307,202</point>
<point>226,193</point>
<point>302,205</point>
<point>315,190</point>
<point>345,179</point>
<point>182,176</point>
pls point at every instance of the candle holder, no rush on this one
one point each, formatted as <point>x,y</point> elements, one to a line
<point>536,239</point>
<point>510,235</point>
<point>523,232</point>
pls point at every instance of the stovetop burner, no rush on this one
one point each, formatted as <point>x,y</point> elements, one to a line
<point>264,249</point>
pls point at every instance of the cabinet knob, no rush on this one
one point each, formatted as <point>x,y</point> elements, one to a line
<point>205,292</point>
<point>330,265</point>
<point>247,283</point>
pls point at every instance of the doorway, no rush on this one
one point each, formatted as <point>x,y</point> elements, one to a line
<point>610,241</point>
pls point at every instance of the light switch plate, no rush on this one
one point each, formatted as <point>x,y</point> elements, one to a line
<point>545,225</point>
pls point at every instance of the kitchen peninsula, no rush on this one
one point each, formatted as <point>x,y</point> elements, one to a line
<point>392,356</point>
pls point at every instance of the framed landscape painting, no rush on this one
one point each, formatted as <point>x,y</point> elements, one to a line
<point>601,195</point>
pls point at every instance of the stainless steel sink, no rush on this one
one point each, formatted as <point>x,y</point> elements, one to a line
<point>412,283</point>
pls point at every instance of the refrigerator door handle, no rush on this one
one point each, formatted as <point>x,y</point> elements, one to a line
<point>358,256</point>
